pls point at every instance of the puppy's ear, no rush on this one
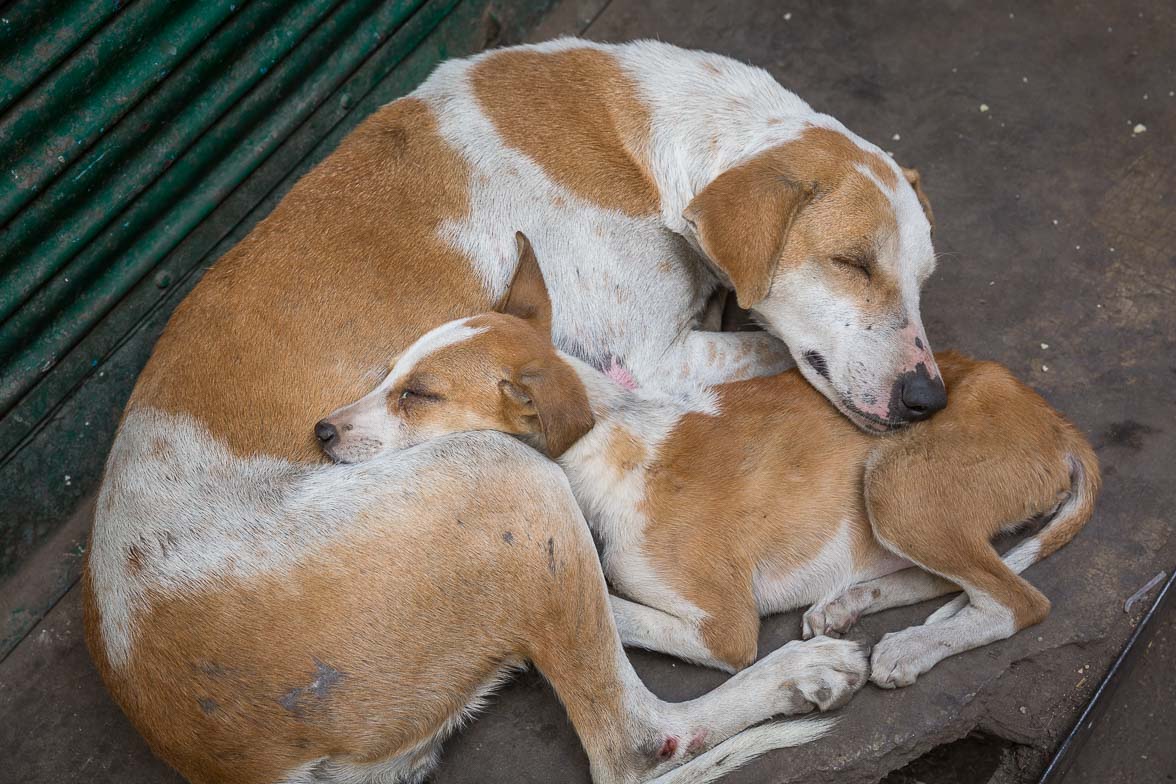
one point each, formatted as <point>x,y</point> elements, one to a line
<point>742,220</point>
<point>912,176</point>
<point>550,402</point>
<point>527,296</point>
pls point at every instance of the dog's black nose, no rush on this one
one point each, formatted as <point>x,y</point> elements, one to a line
<point>917,396</point>
<point>325,432</point>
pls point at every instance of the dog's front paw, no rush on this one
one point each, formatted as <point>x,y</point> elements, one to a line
<point>834,617</point>
<point>898,659</point>
<point>821,673</point>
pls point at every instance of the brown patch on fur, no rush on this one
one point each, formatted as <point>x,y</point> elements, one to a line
<point>759,488</point>
<point>763,487</point>
<point>292,322</point>
<point>625,451</point>
<point>247,682</point>
<point>580,119</point>
<point>916,182</point>
<point>803,199</point>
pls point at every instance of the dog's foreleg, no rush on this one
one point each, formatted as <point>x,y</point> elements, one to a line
<point>649,628</point>
<point>719,357</point>
<point>909,586</point>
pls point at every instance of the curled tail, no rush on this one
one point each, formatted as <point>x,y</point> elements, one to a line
<point>1073,513</point>
<point>743,747</point>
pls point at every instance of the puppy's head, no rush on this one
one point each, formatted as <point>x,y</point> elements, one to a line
<point>828,242</point>
<point>498,371</point>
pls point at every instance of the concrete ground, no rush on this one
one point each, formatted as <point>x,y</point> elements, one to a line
<point>1044,133</point>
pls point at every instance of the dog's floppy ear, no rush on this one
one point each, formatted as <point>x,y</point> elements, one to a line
<point>742,221</point>
<point>527,296</point>
<point>549,401</point>
<point>912,176</point>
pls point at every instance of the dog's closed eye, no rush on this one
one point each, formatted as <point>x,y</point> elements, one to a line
<point>857,263</point>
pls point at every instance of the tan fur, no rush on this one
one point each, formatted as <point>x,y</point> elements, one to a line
<point>916,182</point>
<point>576,101</point>
<point>761,488</point>
<point>296,357</point>
<point>626,452</point>
<point>770,481</point>
<point>296,669</point>
<point>996,456</point>
<point>805,199</point>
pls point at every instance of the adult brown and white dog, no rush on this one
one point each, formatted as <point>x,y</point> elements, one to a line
<point>263,617</point>
<point>756,497</point>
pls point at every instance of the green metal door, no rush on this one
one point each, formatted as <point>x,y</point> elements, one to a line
<point>138,142</point>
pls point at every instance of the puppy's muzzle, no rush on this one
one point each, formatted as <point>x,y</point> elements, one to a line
<point>326,433</point>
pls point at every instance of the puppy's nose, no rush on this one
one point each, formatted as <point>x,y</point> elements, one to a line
<point>326,432</point>
<point>917,396</point>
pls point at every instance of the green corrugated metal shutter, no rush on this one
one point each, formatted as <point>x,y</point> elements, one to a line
<point>138,141</point>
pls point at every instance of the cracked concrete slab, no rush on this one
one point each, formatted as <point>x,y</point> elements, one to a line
<point>1054,227</point>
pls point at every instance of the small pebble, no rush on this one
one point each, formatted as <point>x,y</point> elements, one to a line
<point>787,16</point>
<point>896,137</point>
<point>1138,129</point>
<point>1044,346</point>
<point>1023,709</point>
<point>983,107</point>
<point>1055,221</point>
<point>1045,368</point>
<point>1025,79</point>
<point>1077,247</point>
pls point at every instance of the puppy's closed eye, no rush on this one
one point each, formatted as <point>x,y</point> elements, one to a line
<point>412,395</point>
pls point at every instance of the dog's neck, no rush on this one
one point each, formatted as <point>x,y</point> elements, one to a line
<point>608,398</point>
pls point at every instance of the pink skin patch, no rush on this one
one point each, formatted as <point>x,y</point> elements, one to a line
<point>616,371</point>
<point>697,742</point>
<point>668,748</point>
<point>915,340</point>
<point>917,353</point>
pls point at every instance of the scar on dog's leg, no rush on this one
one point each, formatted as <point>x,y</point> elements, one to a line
<point>654,630</point>
<point>720,357</point>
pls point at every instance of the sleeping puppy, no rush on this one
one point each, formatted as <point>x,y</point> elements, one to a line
<point>717,508</point>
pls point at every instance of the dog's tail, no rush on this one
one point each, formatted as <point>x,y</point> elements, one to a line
<point>740,749</point>
<point>1070,515</point>
<point>1064,523</point>
<point>1075,511</point>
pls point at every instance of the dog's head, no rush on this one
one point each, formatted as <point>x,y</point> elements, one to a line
<point>828,242</point>
<point>497,371</point>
